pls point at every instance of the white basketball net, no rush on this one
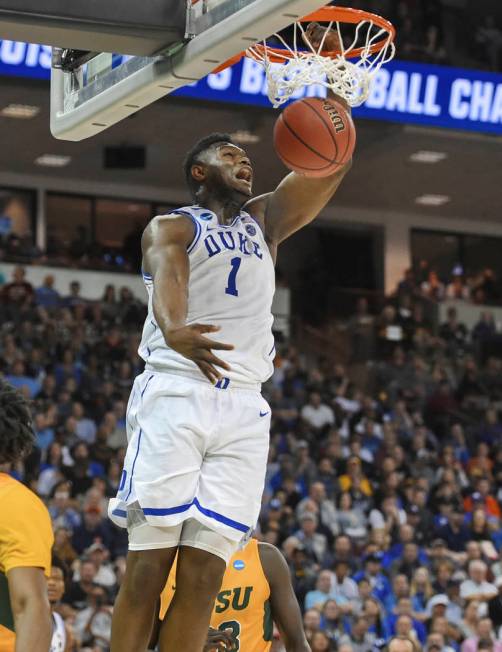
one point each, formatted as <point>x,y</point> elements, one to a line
<point>349,79</point>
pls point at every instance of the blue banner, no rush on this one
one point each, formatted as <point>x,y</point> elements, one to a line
<point>25,59</point>
<point>438,96</point>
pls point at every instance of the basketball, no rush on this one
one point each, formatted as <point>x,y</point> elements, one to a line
<point>315,137</point>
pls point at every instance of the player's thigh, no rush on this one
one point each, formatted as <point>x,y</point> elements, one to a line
<point>199,569</point>
<point>167,453</point>
<point>145,536</point>
<point>233,471</point>
<point>201,537</point>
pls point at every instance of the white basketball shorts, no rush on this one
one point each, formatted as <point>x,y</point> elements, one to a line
<point>194,451</point>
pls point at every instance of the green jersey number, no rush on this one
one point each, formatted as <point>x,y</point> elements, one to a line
<point>235,626</point>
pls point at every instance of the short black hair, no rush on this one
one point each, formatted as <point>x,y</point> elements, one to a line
<point>57,562</point>
<point>16,434</point>
<point>191,158</point>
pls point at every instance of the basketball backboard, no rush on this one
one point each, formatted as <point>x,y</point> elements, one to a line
<point>109,88</point>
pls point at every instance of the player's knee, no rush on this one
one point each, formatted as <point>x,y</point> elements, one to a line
<point>200,574</point>
<point>145,576</point>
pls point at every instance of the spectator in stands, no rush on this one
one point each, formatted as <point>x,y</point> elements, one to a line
<point>495,607</point>
<point>61,509</point>
<point>485,328</point>
<point>360,639</point>
<point>485,632</point>
<point>316,414</point>
<point>314,542</point>
<point>323,592</point>
<point>389,332</point>
<point>77,592</point>
<point>311,622</point>
<point>457,289</point>
<point>454,333</point>
<point>109,306</point>
<point>325,508</point>
<point>320,642</point>
<point>95,527</point>
<point>490,431</point>
<point>74,299</point>
<point>421,590</point>
<point>409,562</point>
<point>343,585</point>
<point>93,623</point>
<point>353,479</point>
<point>85,427</point>
<point>18,291</point>
<point>402,644</point>
<point>46,296</point>
<point>333,622</point>
<point>105,575</point>
<point>476,587</point>
<point>20,380</point>
<point>351,520</point>
<point>433,288</point>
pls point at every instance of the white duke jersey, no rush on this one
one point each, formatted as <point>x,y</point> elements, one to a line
<point>231,285</point>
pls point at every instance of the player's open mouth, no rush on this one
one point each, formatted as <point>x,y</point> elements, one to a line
<point>245,174</point>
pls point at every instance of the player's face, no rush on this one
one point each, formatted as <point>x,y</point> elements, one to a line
<point>230,167</point>
<point>55,585</point>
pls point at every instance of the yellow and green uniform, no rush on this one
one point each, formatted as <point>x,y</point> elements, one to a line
<point>25,541</point>
<point>243,603</point>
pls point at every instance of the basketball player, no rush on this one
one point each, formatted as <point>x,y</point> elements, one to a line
<point>256,592</point>
<point>25,538</point>
<point>197,423</point>
<point>62,638</point>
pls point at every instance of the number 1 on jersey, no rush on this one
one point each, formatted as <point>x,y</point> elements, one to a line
<point>232,278</point>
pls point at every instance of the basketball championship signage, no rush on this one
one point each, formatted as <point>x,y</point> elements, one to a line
<point>437,96</point>
<point>407,92</point>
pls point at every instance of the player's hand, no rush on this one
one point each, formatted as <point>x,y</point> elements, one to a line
<point>218,641</point>
<point>314,34</point>
<point>190,342</point>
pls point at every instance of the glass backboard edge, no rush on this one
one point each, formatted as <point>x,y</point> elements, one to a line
<point>162,75</point>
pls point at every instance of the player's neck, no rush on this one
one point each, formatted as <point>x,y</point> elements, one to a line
<point>226,208</point>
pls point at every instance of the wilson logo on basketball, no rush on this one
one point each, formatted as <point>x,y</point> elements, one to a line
<point>334,116</point>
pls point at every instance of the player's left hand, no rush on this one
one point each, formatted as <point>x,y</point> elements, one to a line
<point>314,34</point>
<point>219,641</point>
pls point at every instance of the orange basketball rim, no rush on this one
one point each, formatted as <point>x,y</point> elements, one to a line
<point>346,15</point>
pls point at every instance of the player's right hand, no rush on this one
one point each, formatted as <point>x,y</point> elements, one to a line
<point>219,641</point>
<point>190,342</point>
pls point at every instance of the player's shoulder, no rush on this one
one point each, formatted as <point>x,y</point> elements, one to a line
<point>271,557</point>
<point>11,487</point>
<point>16,496</point>
<point>178,223</point>
<point>175,215</point>
<point>257,207</point>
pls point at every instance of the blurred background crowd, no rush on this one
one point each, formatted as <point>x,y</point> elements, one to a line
<point>435,31</point>
<point>384,482</point>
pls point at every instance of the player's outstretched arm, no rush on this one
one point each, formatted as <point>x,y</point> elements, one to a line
<point>31,610</point>
<point>164,245</point>
<point>285,610</point>
<point>298,200</point>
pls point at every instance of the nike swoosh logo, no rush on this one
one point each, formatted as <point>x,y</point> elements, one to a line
<point>263,414</point>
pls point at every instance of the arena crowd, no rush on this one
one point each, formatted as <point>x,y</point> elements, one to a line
<point>384,482</point>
